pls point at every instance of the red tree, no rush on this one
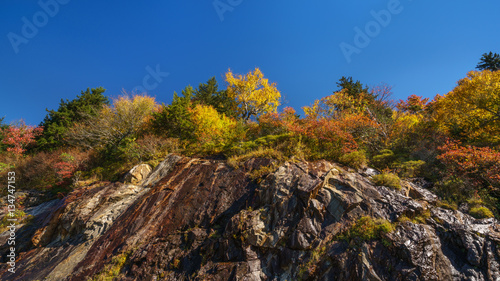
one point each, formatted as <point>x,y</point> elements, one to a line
<point>18,137</point>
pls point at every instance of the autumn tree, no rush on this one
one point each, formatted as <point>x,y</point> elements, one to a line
<point>115,124</point>
<point>479,166</point>
<point>18,137</point>
<point>213,130</point>
<point>253,93</point>
<point>471,111</point>
<point>57,122</point>
<point>489,61</point>
<point>210,94</point>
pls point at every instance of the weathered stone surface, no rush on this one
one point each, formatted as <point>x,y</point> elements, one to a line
<point>137,174</point>
<point>193,219</point>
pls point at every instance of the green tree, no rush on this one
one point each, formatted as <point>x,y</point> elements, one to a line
<point>3,126</point>
<point>209,94</point>
<point>353,89</point>
<point>490,61</point>
<point>57,122</point>
<point>174,120</point>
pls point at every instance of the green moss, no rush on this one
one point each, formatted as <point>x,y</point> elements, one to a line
<point>387,179</point>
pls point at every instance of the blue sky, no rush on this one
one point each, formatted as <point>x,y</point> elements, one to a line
<point>52,49</point>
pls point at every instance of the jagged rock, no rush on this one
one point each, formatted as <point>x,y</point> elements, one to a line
<point>193,219</point>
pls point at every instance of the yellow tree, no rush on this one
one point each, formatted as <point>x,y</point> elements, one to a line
<point>471,111</point>
<point>253,93</point>
<point>211,128</point>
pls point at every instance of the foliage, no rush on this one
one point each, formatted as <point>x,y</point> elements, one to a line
<point>57,122</point>
<point>489,61</point>
<point>116,124</point>
<point>253,93</point>
<point>471,112</point>
<point>152,148</point>
<point>174,120</point>
<point>18,214</point>
<point>18,137</point>
<point>209,94</point>
<point>479,166</point>
<point>480,212</point>
<point>113,269</point>
<point>384,159</point>
<point>366,228</point>
<point>387,179</point>
<point>413,104</point>
<point>212,130</point>
<point>355,159</point>
<point>409,169</point>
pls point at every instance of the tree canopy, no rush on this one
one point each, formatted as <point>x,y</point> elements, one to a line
<point>489,61</point>
<point>253,93</point>
<point>57,122</point>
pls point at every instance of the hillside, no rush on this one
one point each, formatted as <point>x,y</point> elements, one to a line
<point>196,219</point>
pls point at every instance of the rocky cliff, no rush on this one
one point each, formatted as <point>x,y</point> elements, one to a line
<point>193,219</point>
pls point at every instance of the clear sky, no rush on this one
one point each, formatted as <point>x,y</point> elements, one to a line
<point>52,49</point>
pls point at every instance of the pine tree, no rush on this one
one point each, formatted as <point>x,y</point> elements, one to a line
<point>57,122</point>
<point>489,61</point>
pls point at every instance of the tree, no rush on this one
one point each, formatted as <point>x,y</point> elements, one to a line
<point>489,61</point>
<point>115,124</point>
<point>353,89</point>
<point>253,93</point>
<point>3,126</point>
<point>211,128</point>
<point>174,120</point>
<point>209,94</point>
<point>471,111</point>
<point>57,122</point>
<point>18,137</point>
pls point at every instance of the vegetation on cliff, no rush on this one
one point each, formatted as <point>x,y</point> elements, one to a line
<point>452,140</point>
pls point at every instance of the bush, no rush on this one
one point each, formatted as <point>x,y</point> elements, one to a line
<point>480,212</point>
<point>387,179</point>
<point>384,159</point>
<point>355,159</point>
<point>410,169</point>
<point>366,228</point>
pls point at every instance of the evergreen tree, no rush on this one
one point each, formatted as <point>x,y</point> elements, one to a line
<point>209,94</point>
<point>57,122</point>
<point>174,120</point>
<point>489,61</point>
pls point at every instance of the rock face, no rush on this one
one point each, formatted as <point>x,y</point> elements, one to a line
<point>138,174</point>
<point>193,219</point>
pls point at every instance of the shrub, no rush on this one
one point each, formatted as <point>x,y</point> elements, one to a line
<point>480,212</point>
<point>366,228</point>
<point>410,169</point>
<point>355,159</point>
<point>384,159</point>
<point>152,148</point>
<point>387,179</point>
<point>235,161</point>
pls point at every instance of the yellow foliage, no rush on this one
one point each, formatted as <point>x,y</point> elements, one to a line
<point>472,110</point>
<point>337,105</point>
<point>210,127</point>
<point>253,93</point>
<point>126,117</point>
